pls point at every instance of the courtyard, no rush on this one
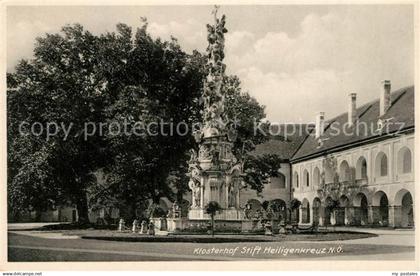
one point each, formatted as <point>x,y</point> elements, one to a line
<point>27,245</point>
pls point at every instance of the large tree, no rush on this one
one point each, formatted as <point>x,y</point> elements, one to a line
<point>158,104</point>
<point>116,79</point>
<point>67,83</point>
<point>80,80</point>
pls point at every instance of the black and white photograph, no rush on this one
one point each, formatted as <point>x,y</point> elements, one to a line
<point>215,132</point>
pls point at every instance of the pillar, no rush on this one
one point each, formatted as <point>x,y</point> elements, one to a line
<point>202,193</point>
<point>311,214</point>
<point>300,215</point>
<point>349,216</point>
<point>322,221</point>
<point>373,214</point>
<point>395,216</point>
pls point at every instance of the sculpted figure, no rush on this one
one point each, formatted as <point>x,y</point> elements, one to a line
<point>204,152</point>
<point>193,156</point>
<point>211,35</point>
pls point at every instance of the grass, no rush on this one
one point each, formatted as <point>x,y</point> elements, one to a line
<point>218,238</point>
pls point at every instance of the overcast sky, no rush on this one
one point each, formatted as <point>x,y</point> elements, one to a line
<point>296,60</point>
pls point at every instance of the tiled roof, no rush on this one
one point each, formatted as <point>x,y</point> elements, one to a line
<point>284,141</point>
<point>399,115</point>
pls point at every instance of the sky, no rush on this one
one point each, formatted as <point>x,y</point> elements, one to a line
<point>296,60</point>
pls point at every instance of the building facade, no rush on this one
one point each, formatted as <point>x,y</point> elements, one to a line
<point>355,169</point>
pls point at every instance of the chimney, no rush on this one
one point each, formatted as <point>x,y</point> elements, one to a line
<point>385,99</point>
<point>352,109</point>
<point>319,125</point>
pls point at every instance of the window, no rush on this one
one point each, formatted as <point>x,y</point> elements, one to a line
<point>404,160</point>
<point>384,166</point>
<point>278,182</point>
<point>381,165</point>
<point>329,174</point>
<point>306,178</point>
<point>344,171</point>
<point>316,177</point>
<point>361,168</point>
<point>363,172</point>
<point>407,162</point>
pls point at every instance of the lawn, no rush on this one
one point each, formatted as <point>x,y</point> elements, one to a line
<point>218,238</point>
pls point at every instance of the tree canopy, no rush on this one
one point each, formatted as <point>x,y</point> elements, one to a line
<point>85,87</point>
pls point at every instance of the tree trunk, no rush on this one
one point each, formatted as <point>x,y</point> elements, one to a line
<point>82,209</point>
<point>37,216</point>
<point>133,213</point>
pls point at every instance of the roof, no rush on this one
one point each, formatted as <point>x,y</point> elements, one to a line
<point>284,140</point>
<point>400,116</point>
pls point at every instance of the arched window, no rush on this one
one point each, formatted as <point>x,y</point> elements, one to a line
<point>296,179</point>
<point>316,177</point>
<point>384,166</point>
<point>381,165</point>
<point>329,174</point>
<point>344,171</point>
<point>404,161</point>
<point>407,162</point>
<point>361,168</point>
<point>278,182</point>
<point>306,178</point>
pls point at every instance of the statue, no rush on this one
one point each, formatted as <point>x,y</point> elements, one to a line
<point>121,225</point>
<point>204,152</point>
<point>196,192</point>
<point>213,98</point>
<point>232,195</point>
<point>143,229</point>
<point>193,156</point>
<point>210,169</point>
<point>135,226</point>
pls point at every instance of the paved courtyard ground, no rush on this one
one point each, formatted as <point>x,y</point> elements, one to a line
<point>27,245</point>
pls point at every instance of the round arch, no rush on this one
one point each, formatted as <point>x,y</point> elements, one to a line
<point>279,208</point>
<point>360,205</point>
<point>404,160</point>
<point>341,216</point>
<point>399,196</point>
<point>381,164</point>
<point>306,214</point>
<point>255,204</point>
<point>306,180</point>
<point>327,211</point>
<point>329,174</point>
<point>316,177</point>
<point>361,168</point>
<point>253,208</point>
<point>278,182</point>
<point>344,171</point>
<point>316,210</point>
<point>380,206</point>
<point>404,204</point>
